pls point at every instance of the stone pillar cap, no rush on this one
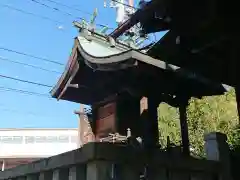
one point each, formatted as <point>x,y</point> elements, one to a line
<point>215,136</point>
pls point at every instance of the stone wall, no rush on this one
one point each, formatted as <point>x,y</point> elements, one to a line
<point>103,161</point>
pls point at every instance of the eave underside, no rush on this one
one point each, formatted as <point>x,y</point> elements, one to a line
<point>215,58</point>
<point>209,37</point>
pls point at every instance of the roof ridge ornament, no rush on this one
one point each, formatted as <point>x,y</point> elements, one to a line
<point>91,25</point>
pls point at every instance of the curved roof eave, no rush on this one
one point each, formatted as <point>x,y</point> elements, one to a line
<point>116,61</point>
<point>66,74</point>
<point>132,57</point>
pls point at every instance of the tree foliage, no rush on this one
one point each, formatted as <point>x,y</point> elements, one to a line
<point>215,113</point>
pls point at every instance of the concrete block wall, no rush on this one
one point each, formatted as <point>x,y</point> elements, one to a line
<point>104,161</point>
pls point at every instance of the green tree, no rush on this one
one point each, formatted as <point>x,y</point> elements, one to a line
<point>168,124</point>
<point>215,113</point>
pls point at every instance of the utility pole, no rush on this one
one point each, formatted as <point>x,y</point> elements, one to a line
<point>123,9</point>
<point>85,132</point>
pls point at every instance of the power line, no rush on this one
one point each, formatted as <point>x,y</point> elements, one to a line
<point>66,13</point>
<point>36,114</point>
<point>29,55</point>
<point>56,9</point>
<point>24,92</point>
<point>29,65</point>
<point>67,6</point>
<point>47,18</point>
<point>23,112</point>
<point>18,112</point>
<point>32,14</point>
<point>25,81</point>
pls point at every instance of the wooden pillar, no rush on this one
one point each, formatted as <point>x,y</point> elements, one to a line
<point>184,126</point>
<point>237,92</point>
<point>153,122</point>
<point>149,120</point>
<point>128,113</point>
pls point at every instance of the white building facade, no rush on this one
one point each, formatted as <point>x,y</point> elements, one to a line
<point>23,145</point>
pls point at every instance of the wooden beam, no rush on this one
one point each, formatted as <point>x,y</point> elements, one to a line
<point>153,120</point>
<point>65,88</point>
<point>184,126</point>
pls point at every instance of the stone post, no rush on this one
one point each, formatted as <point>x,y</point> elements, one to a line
<point>217,149</point>
<point>99,170</point>
<point>33,177</point>
<point>47,175</point>
<point>130,171</point>
<point>60,174</point>
<point>106,170</point>
<point>77,172</point>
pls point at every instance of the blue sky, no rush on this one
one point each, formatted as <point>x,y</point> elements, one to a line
<point>42,38</point>
<point>46,39</point>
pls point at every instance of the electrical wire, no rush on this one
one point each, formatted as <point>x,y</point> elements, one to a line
<point>29,55</point>
<point>29,65</point>
<point>67,6</point>
<point>18,112</point>
<point>3,107</point>
<point>67,13</point>
<point>56,9</point>
<point>25,93</point>
<point>32,14</point>
<point>23,112</point>
<point>25,81</point>
<point>2,88</point>
<point>47,18</point>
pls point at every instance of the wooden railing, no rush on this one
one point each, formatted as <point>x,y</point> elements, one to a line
<point>105,161</point>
